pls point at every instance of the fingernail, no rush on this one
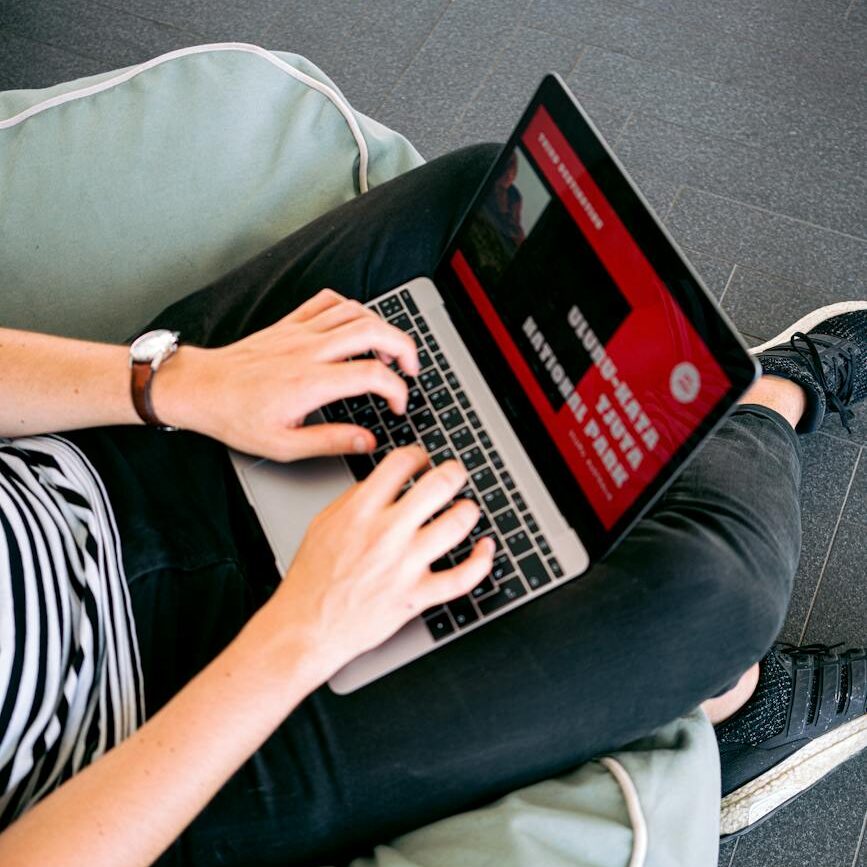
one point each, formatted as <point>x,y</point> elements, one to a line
<point>359,443</point>
<point>488,542</point>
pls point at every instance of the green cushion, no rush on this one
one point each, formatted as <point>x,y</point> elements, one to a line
<point>123,192</point>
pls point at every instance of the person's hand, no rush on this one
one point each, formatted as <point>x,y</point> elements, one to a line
<point>363,568</point>
<point>254,394</point>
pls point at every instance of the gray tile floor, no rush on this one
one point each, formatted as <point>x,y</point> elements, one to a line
<point>745,123</point>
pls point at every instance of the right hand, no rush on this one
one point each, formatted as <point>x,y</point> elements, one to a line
<point>363,568</point>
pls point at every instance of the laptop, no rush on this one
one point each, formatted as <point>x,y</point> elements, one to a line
<point>570,358</point>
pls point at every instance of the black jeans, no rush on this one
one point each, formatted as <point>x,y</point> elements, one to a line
<point>692,597</point>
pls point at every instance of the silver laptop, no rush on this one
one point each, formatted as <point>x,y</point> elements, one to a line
<point>570,358</point>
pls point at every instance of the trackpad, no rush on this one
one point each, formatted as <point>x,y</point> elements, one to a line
<point>287,497</point>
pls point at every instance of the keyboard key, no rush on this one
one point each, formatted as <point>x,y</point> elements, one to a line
<point>379,402</point>
<point>440,398</point>
<point>403,435</point>
<point>414,335</point>
<point>381,436</point>
<point>483,525</point>
<point>484,439</point>
<point>442,364</point>
<point>473,458</point>
<point>519,543</point>
<point>357,402</point>
<point>360,465</point>
<point>473,419</point>
<point>408,302</point>
<point>484,479</point>
<point>462,438</point>
<point>366,417</point>
<point>555,567</point>
<point>463,400</point>
<point>430,379</point>
<point>466,493</point>
<point>424,360</point>
<point>503,567</point>
<point>496,460</point>
<point>403,322</point>
<point>430,340</point>
<point>542,542</point>
<point>519,502</point>
<point>451,418</point>
<point>390,420</point>
<point>379,455</point>
<point>507,521</point>
<point>534,571</point>
<point>462,611</point>
<point>508,481</point>
<point>433,440</point>
<point>415,400</point>
<point>509,591</point>
<point>390,306</point>
<point>495,500</point>
<point>444,455</point>
<point>422,420</point>
<point>440,625</point>
<point>422,325</point>
<point>452,380</point>
<point>532,526</point>
<point>486,586</point>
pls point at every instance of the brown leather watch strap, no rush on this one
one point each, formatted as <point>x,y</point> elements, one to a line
<point>142,377</point>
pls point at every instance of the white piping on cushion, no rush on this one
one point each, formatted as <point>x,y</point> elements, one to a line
<point>339,102</point>
<point>633,809</point>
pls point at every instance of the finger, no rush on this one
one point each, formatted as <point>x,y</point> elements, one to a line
<point>322,300</point>
<point>438,587</point>
<point>346,310</point>
<point>447,531</point>
<point>383,485</point>
<point>429,494</point>
<point>351,378</point>
<point>371,333</point>
<point>325,439</point>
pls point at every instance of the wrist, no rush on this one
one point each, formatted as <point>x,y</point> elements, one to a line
<point>283,652</point>
<point>178,387</point>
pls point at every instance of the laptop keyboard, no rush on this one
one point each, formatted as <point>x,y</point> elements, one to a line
<point>440,417</point>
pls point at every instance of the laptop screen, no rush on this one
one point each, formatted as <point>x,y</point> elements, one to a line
<point>607,355</point>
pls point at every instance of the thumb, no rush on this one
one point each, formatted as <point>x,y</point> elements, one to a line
<point>328,439</point>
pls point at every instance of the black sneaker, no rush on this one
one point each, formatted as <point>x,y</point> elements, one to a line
<point>807,716</point>
<point>825,352</point>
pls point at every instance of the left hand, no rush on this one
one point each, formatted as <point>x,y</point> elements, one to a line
<point>254,394</point>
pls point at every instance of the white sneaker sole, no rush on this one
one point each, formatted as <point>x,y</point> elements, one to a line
<point>755,800</point>
<point>811,320</point>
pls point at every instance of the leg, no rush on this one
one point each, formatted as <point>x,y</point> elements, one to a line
<point>699,586</point>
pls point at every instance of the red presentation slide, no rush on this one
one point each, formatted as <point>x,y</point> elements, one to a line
<point>646,378</point>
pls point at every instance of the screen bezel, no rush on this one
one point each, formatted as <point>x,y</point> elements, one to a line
<point>695,301</point>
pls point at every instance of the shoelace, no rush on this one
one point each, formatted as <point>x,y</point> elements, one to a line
<point>808,649</point>
<point>842,371</point>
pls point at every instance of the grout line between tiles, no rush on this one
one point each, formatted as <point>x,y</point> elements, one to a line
<point>759,208</point>
<point>728,283</point>
<point>412,59</point>
<point>860,842</point>
<point>830,547</point>
<point>577,62</point>
<point>846,18</point>
<point>107,5</point>
<point>734,849</point>
<point>490,71</point>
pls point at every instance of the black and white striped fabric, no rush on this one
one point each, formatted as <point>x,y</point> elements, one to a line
<point>70,677</point>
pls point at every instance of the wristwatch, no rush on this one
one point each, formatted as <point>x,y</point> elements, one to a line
<point>146,354</point>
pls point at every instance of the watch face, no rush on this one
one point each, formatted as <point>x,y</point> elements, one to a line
<point>152,345</point>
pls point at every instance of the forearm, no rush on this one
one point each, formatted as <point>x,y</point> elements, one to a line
<point>133,802</point>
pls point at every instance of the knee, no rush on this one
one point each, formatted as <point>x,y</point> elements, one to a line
<point>731,605</point>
